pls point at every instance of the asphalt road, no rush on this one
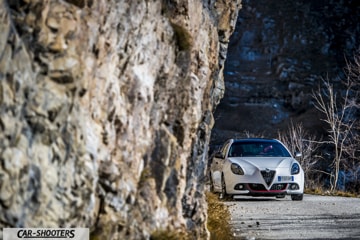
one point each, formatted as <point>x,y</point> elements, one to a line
<point>316,217</point>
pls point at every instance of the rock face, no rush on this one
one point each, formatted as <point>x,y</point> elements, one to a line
<point>106,110</point>
<point>279,53</point>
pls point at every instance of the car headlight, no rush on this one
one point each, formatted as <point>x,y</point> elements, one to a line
<point>236,169</point>
<point>295,169</point>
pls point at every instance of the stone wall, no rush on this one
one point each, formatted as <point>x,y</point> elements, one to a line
<point>106,110</point>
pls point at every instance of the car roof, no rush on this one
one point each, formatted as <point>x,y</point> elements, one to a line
<point>254,140</point>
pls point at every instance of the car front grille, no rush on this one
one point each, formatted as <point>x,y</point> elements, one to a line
<point>257,187</point>
<point>260,187</point>
<point>268,176</point>
<point>279,186</point>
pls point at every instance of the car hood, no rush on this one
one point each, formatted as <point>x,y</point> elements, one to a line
<point>264,162</point>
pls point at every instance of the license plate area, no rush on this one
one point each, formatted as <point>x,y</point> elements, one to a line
<point>285,178</point>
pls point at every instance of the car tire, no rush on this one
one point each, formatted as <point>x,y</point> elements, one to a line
<point>223,193</point>
<point>297,197</point>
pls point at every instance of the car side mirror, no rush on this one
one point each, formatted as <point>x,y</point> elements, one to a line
<point>298,154</point>
<point>219,155</point>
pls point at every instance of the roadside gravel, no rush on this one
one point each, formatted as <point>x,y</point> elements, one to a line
<point>316,217</point>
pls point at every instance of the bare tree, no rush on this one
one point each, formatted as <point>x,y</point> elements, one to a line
<point>297,139</point>
<point>352,150</point>
<point>340,126</point>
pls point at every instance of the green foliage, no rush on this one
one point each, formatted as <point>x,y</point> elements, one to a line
<point>183,37</point>
<point>145,174</point>
<point>100,232</point>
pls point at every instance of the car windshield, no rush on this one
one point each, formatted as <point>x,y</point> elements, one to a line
<point>257,149</point>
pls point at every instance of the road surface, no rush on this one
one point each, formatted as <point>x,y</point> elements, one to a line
<point>316,217</point>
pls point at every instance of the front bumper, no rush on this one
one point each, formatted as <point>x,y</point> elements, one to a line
<point>256,189</point>
<point>245,185</point>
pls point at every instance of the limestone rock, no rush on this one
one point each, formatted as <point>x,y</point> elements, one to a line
<point>106,111</point>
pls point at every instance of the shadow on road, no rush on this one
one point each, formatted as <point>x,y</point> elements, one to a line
<point>253,199</point>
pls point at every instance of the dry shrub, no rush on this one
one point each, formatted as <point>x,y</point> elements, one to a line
<point>218,218</point>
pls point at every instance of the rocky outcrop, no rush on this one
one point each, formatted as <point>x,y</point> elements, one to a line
<point>106,110</point>
<point>278,55</point>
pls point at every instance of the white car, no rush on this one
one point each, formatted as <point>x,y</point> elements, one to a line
<point>256,167</point>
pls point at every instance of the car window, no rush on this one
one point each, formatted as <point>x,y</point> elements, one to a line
<point>236,150</point>
<point>258,148</point>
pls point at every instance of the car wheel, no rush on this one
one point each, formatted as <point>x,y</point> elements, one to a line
<point>297,197</point>
<point>223,193</point>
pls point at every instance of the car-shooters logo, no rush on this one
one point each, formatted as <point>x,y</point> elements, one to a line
<point>46,233</point>
<point>58,233</point>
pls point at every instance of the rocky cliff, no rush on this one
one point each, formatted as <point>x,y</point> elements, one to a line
<point>278,55</point>
<point>106,110</point>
